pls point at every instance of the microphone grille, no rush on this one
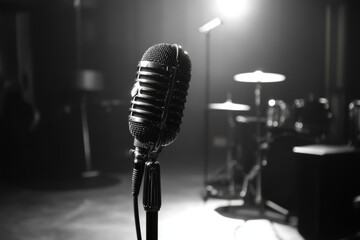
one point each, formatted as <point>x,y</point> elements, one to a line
<point>162,53</point>
<point>165,54</point>
<point>184,64</point>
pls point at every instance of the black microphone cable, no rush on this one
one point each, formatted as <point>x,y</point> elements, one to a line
<point>136,217</point>
<point>140,155</point>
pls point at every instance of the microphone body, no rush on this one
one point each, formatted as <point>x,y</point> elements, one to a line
<point>159,94</point>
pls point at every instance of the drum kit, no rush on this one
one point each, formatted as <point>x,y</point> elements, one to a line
<point>280,119</point>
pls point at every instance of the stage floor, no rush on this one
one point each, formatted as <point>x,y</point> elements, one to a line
<point>90,211</point>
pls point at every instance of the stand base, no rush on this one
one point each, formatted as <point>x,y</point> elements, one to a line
<point>90,174</point>
<point>225,185</point>
<point>221,189</point>
<point>251,213</point>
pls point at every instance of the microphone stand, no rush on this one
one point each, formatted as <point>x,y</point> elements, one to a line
<point>152,195</point>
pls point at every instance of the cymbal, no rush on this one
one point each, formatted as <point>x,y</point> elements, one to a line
<point>259,77</point>
<point>230,106</point>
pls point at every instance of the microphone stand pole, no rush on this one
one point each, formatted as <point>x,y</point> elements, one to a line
<point>206,29</point>
<point>207,94</point>
<point>152,196</point>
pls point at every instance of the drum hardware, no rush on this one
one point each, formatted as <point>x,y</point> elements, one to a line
<point>255,169</point>
<point>306,118</point>
<point>232,166</point>
<point>249,119</point>
<point>258,204</point>
<point>277,113</point>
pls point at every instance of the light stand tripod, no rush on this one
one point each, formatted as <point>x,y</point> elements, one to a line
<point>206,29</point>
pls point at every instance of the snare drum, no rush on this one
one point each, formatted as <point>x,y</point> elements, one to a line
<point>278,115</point>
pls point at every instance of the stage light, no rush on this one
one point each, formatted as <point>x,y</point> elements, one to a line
<point>207,27</point>
<point>233,8</point>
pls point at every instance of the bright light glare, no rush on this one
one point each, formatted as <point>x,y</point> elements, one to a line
<point>271,102</point>
<point>233,8</point>
<point>210,25</point>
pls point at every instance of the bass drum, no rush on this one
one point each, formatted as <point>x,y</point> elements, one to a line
<point>279,116</point>
<point>312,117</point>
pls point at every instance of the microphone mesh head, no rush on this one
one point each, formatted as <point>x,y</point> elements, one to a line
<point>164,53</point>
<point>161,53</point>
<point>149,131</point>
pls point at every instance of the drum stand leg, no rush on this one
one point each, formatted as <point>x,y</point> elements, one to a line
<point>255,207</point>
<point>255,173</point>
<point>227,174</point>
<point>258,208</point>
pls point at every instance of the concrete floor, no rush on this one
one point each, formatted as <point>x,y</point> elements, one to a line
<point>69,211</point>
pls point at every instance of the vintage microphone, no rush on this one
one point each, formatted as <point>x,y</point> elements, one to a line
<point>157,103</point>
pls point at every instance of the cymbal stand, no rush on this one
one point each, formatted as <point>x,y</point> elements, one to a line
<point>228,172</point>
<point>256,170</point>
<point>259,163</point>
<point>231,163</point>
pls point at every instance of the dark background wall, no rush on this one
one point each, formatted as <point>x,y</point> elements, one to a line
<point>281,36</point>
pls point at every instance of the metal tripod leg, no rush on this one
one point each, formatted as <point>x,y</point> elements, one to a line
<point>232,167</point>
<point>250,176</point>
<point>256,171</point>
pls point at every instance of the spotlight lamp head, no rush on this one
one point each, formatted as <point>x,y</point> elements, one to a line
<point>211,25</point>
